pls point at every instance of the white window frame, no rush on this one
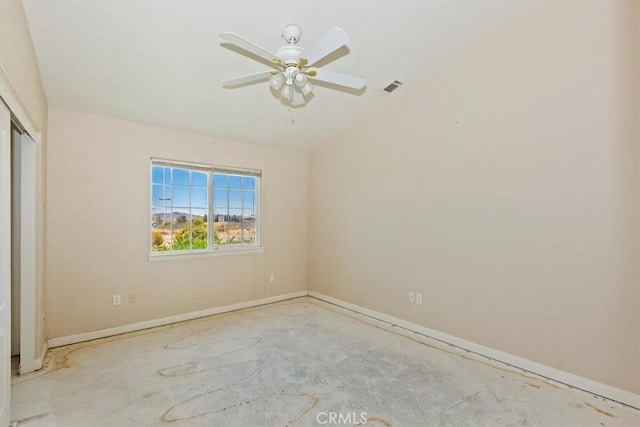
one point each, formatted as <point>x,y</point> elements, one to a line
<point>212,249</point>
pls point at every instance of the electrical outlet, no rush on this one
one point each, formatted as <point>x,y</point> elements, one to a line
<point>412,296</point>
<point>132,298</point>
<point>116,300</point>
<point>272,277</point>
<point>418,298</point>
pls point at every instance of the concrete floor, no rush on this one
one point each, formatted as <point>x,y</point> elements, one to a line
<point>292,364</point>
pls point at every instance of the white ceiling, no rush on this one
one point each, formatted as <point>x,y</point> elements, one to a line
<point>161,62</point>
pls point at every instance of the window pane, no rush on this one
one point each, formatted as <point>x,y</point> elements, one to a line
<point>234,224</point>
<point>220,215</point>
<point>248,199</point>
<point>235,215</point>
<point>180,197</point>
<point>160,236</point>
<point>220,198</point>
<point>199,229</point>
<point>235,233</point>
<point>181,231</point>
<point>235,181</point>
<point>220,180</point>
<point>249,230</point>
<point>221,236</point>
<point>160,217</point>
<point>199,179</point>
<point>179,220</point>
<point>157,175</point>
<point>180,176</point>
<point>248,182</point>
<point>198,214</point>
<point>199,198</point>
<point>235,199</point>
<point>166,200</point>
<point>248,214</point>
<point>157,196</point>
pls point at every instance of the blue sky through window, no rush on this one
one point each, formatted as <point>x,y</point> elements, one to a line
<point>178,190</point>
<point>234,195</point>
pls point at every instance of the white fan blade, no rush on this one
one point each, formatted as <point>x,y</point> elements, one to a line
<point>338,78</point>
<point>249,46</point>
<point>331,41</point>
<point>251,78</point>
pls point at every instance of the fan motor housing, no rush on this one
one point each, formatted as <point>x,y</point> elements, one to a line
<point>289,53</point>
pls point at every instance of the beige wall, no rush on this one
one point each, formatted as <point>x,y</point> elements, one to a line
<point>18,61</point>
<point>98,225</point>
<point>504,188</point>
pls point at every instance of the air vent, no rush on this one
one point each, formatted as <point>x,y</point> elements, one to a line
<point>392,86</point>
<point>389,88</point>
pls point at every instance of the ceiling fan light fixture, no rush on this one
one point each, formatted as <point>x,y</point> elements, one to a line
<point>287,92</point>
<point>306,89</point>
<point>290,74</point>
<point>277,81</point>
<point>302,82</point>
<point>300,79</point>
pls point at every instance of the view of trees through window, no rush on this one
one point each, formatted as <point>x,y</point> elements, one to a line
<point>190,205</point>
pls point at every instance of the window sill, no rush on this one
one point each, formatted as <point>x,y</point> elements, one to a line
<point>166,256</point>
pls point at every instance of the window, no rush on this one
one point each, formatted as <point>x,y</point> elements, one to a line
<point>199,208</point>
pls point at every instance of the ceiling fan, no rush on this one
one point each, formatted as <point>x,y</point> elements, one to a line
<point>292,64</point>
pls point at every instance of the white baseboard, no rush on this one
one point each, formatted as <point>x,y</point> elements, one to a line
<point>567,378</point>
<point>118,330</point>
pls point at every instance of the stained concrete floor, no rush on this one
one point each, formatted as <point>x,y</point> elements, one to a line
<point>292,364</point>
